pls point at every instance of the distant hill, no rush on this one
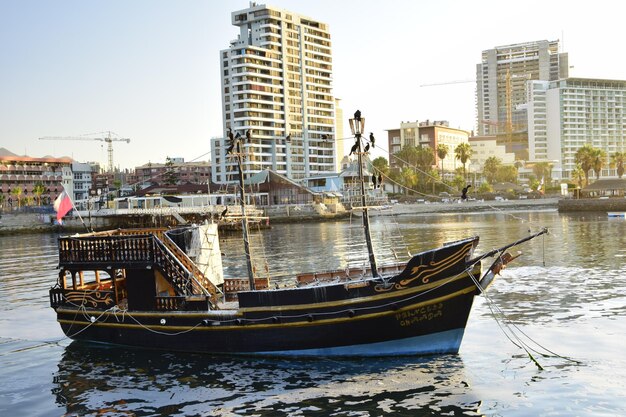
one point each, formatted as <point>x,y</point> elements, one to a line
<point>6,152</point>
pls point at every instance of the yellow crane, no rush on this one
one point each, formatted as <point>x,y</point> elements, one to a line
<point>107,138</point>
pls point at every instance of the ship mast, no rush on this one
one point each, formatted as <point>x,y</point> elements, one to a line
<point>237,147</point>
<point>357,125</point>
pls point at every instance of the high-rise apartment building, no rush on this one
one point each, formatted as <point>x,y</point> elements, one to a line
<point>276,84</point>
<point>501,79</point>
<point>565,115</point>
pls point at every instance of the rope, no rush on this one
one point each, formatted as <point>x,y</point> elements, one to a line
<point>507,325</point>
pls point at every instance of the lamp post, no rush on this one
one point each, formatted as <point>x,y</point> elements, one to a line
<point>357,126</point>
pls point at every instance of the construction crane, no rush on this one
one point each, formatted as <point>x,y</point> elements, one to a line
<point>449,82</point>
<point>108,138</point>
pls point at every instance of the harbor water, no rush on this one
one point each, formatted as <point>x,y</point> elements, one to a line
<point>566,292</point>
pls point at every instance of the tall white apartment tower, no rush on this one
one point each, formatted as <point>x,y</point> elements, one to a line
<point>501,80</point>
<point>276,84</point>
<point>567,114</point>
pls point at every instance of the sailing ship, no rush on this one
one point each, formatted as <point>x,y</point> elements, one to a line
<point>154,288</point>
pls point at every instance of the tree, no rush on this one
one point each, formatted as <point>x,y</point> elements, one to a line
<point>578,175</point>
<point>617,161</point>
<point>17,192</point>
<point>407,157</point>
<point>463,152</point>
<point>543,170</point>
<point>118,187</point>
<point>381,165</point>
<point>425,162</point>
<point>442,152</point>
<point>38,190</point>
<point>507,173</point>
<point>584,158</point>
<point>492,164</point>
<point>485,187</point>
<point>599,158</point>
<point>171,177</point>
<point>409,178</point>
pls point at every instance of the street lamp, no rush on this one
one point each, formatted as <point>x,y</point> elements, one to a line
<point>357,127</point>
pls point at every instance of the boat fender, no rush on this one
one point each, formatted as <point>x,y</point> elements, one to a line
<point>351,313</point>
<point>239,321</point>
<point>163,321</point>
<point>276,319</point>
<point>310,318</point>
<point>92,319</point>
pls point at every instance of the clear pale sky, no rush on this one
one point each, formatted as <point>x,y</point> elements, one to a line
<point>148,70</point>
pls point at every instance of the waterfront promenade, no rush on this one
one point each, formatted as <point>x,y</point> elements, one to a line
<point>32,223</point>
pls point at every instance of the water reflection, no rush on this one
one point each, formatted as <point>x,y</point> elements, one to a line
<point>93,379</point>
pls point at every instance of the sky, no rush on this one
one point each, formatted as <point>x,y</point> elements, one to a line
<point>148,70</point>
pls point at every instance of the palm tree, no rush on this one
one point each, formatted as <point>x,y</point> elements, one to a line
<point>463,152</point>
<point>38,190</point>
<point>442,152</point>
<point>578,175</point>
<point>425,162</point>
<point>543,170</point>
<point>491,168</point>
<point>599,159</point>
<point>584,159</point>
<point>409,177</point>
<point>617,161</point>
<point>17,192</point>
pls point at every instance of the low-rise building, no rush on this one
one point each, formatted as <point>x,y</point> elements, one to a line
<point>25,174</point>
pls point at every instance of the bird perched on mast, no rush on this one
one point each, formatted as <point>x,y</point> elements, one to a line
<point>248,135</point>
<point>367,148</point>
<point>357,115</point>
<point>372,139</point>
<point>288,138</point>
<point>354,148</point>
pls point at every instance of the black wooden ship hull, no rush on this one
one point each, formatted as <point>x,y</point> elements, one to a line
<point>420,307</point>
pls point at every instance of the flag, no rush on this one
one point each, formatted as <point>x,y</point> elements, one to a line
<point>62,205</point>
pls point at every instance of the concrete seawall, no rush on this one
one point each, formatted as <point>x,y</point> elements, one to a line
<point>593,204</point>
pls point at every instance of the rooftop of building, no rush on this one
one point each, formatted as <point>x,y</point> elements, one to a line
<point>8,156</point>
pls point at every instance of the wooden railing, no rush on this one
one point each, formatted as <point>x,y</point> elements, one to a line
<point>200,282</point>
<point>233,285</point>
<point>137,247</point>
<point>174,271</point>
<point>170,303</point>
<point>110,250</point>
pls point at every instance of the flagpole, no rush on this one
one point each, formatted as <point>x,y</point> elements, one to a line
<point>77,212</point>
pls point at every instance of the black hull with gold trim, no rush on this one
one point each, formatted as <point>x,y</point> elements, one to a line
<point>422,309</point>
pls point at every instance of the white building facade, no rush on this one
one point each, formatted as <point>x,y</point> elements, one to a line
<point>81,182</point>
<point>276,84</point>
<point>567,114</point>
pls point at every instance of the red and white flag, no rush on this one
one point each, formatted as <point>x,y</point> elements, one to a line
<point>62,205</point>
